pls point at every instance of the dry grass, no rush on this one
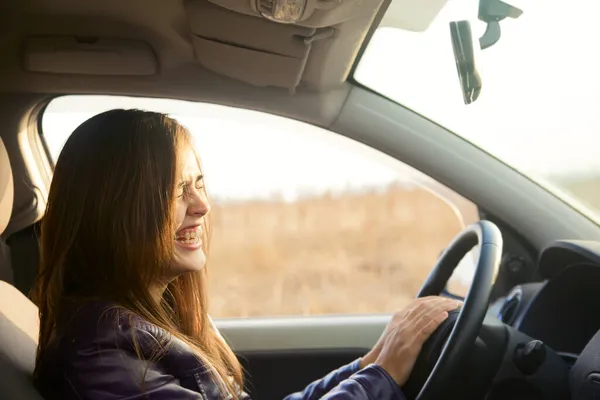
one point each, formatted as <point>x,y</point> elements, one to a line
<point>357,253</point>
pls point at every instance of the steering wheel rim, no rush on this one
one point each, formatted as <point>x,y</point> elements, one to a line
<point>470,318</point>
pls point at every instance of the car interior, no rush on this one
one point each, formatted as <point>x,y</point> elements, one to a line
<point>529,328</point>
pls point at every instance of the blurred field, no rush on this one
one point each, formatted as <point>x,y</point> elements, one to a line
<point>356,253</point>
<point>585,189</point>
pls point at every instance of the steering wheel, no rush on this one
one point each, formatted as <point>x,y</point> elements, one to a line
<point>442,353</point>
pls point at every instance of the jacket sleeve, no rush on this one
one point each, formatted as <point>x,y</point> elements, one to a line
<point>351,383</point>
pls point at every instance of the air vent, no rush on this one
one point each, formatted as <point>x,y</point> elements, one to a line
<point>508,310</point>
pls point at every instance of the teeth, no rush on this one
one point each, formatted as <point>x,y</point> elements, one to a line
<point>191,240</point>
<point>189,237</point>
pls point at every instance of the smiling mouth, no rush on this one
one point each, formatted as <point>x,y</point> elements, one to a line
<point>189,236</point>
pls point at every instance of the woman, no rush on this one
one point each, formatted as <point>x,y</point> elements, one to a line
<point>121,288</point>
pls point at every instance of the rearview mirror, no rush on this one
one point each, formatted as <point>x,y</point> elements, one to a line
<point>464,56</point>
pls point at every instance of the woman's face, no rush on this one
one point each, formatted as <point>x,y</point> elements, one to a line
<point>191,206</point>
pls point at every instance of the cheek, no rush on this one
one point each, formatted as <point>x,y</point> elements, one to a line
<point>179,210</point>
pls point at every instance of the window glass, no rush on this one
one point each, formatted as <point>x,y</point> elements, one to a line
<point>305,222</point>
<point>540,88</point>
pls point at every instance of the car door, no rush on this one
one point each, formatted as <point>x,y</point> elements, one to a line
<point>282,355</point>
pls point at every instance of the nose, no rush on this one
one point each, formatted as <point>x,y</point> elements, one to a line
<point>198,205</point>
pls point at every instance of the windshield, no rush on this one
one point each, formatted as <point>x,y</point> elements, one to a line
<point>539,106</point>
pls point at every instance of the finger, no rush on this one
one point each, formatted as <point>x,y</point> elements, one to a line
<point>430,327</point>
<point>439,303</point>
<point>432,313</point>
<point>459,303</point>
<point>423,303</point>
<point>446,304</point>
<point>416,326</point>
<point>414,307</point>
<point>453,304</point>
<point>428,300</point>
<point>420,308</point>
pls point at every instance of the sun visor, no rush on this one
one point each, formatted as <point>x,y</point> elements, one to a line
<point>89,56</point>
<point>248,48</point>
<point>233,39</point>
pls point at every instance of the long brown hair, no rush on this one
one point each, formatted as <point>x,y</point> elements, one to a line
<point>108,233</point>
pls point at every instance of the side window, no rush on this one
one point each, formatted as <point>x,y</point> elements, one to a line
<point>305,221</point>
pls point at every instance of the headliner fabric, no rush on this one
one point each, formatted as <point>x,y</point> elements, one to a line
<point>172,30</point>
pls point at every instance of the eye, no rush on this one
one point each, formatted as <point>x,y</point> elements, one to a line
<point>180,190</point>
<point>199,183</point>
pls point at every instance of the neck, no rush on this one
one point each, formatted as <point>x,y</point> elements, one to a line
<point>158,291</point>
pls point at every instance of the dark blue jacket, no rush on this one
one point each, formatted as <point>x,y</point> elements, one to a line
<point>93,357</point>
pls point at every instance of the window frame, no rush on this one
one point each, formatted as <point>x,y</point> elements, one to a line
<point>322,133</point>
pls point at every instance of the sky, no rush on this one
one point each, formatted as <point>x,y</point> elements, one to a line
<point>537,110</point>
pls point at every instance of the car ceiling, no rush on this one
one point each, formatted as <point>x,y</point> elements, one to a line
<point>219,51</point>
<point>49,46</point>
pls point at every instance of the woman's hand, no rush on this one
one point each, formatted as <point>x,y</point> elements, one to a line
<point>401,342</point>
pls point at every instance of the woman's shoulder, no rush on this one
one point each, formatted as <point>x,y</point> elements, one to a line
<point>105,324</point>
<point>99,328</point>
<point>104,348</point>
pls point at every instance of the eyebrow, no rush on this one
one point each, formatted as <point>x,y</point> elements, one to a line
<point>198,178</point>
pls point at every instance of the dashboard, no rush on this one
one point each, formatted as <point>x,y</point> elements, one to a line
<point>546,345</point>
<point>563,311</point>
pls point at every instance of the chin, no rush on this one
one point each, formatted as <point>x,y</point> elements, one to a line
<point>187,260</point>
